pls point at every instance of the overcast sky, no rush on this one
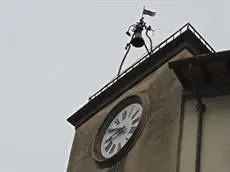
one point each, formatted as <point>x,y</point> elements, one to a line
<point>55,53</point>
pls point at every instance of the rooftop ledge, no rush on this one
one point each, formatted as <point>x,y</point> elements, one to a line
<point>185,38</point>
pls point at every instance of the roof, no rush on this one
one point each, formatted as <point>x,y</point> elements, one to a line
<point>210,71</point>
<point>185,38</point>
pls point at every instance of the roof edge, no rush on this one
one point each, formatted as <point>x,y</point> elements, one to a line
<point>189,39</point>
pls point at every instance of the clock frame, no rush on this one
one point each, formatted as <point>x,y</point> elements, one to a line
<point>96,151</point>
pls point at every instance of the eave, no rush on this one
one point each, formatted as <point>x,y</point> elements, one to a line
<point>211,72</point>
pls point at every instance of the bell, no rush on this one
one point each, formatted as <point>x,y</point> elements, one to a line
<point>137,40</point>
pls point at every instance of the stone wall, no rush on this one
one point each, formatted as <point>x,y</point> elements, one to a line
<point>156,149</point>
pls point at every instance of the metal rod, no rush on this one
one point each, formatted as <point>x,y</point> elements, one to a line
<point>200,108</point>
<point>201,38</point>
<point>150,40</point>
<point>128,48</point>
<point>147,49</point>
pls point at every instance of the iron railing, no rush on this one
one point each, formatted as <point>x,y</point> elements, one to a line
<point>186,27</point>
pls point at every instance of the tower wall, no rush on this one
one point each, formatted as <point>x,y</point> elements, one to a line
<point>157,147</point>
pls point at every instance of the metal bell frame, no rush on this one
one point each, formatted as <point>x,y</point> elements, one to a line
<point>137,39</point>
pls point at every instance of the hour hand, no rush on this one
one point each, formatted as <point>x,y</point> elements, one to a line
<point>111,130</point>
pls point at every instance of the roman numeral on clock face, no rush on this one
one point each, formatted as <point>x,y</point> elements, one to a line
<point>135,114</point>
<point>124,114</point>
<point>118,147</point>
<point>108,146</point>
<point>112,149</point>
<point>117,121</point>
<point>132,129</point>
<point>131,111</point>
<point>135,120</point>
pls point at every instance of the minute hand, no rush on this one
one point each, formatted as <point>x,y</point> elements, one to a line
<point>111,130</point>
<point>119,130</point>
<point>111,137</point>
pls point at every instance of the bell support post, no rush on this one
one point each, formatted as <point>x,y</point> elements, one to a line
<point>137,40</point>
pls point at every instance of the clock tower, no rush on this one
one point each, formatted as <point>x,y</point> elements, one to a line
<point>151,117</point>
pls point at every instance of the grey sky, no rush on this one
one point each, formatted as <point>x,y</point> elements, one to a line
<point>56,53</point>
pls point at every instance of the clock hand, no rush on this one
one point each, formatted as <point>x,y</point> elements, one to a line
<point>111,130</point>
<point>111,137</point>
<point>118,132</point>
<point>121,131</point>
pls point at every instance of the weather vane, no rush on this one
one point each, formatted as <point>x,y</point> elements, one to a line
<point>136,38</point>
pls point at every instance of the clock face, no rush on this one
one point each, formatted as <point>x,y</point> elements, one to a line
<point>121,129</point>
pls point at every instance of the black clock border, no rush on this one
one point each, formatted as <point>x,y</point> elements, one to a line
<point>103,162</point>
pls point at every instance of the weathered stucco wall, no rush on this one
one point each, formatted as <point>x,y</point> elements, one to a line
<point>156,149</point>
<point>188,142</point>
<point>215,150</point>
<point>216,140</point>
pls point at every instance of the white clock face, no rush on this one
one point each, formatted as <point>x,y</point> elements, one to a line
<point>121,129</point>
